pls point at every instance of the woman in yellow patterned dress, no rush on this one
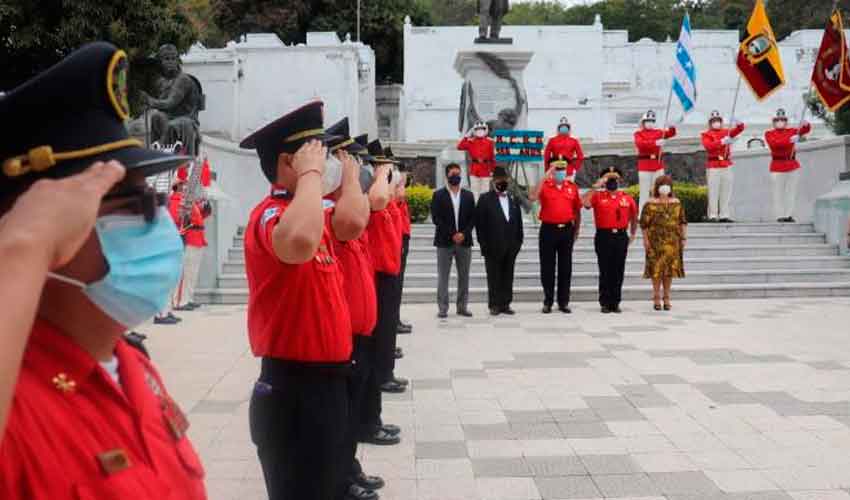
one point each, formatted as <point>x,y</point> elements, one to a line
<point>665,233</point>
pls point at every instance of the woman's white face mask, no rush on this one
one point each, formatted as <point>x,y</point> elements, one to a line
<point>716,125</point>
<point>480,133</point>
<point>332,177</point>
<point>665,190</point>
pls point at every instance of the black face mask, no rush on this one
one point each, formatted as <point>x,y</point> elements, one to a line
<point>501,186</point>
<point>611,184</point>
<point>390,177</point>
<point>454,180</point>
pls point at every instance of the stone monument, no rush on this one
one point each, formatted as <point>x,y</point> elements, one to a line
<point>178,102</point>
<point>490,14</point>
<point>493,88</point>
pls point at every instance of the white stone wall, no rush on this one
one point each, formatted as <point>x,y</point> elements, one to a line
<point>597,78</point>
<point>251,83</point>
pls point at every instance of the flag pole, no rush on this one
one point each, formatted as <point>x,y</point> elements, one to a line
<point>666,121</point>
<point>735,100</point>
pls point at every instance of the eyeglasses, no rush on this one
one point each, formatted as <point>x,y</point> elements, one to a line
<point>145,201</point>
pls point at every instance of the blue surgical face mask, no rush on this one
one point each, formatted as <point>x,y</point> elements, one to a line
<point>560,175</point>
<point>145,262</point>
<point>563,129</point>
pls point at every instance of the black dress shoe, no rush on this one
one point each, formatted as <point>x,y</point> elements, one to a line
<point>392,388</point>
<point>357,492</point>
<point>465,313</point>
<point>165,320</point>
<point>398,354</point>
<point>507,310</point>
<point>391,429</point>
<point>565,309</point>
<point>184,307</point>
<point>617,310</point>
<point>726,220</point>
<point>547,309</point>
<point>442,315</point>
<point>171,315</point>
<point>381,438</point>
<point>369,482</point>
<point>400,381</point>
<point>494,311</point>
<point>405,324</point>
<point>605,310</point>
<point>403,330</point>
<point>790,219</point>
<point>194,305</point>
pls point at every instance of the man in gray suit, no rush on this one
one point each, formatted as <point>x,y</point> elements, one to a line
<point>453,213</point>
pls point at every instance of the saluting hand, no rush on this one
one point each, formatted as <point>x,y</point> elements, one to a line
<point>350,168</point>
<point>310,157</point>
<point>58,215</point>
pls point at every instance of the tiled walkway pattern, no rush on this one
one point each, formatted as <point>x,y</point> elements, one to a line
<point>736,400</point>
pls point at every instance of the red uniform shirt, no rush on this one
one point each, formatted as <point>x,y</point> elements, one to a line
<point>206,174</point>
<point>783,152</point>
<point>384,242</point>
<point>566,146</point>
<point>718,153</point>
<point>649,154</point>
<point>67,412</point>
<point>194,236</point>
<point>359,283</point>
<point>482,153</point>
<point>613,211</point>
<point>405,217</point>
<point>559,205</point>
<point>296,312</point>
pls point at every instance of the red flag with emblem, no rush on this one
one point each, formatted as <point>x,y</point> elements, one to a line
<point>831,73</point>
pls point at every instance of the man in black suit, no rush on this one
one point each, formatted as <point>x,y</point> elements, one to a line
<point>453,213</point>
<point>498,224</point>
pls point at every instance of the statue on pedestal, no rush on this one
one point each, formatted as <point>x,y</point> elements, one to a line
<point>490,14</point>
<point>178,102</point>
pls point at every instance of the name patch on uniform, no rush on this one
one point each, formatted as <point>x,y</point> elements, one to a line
<point>113,461</point>
<point>269,214</point>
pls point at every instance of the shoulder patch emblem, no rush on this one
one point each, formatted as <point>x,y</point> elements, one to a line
<point>326,204</point>
<point>269,214</point>
<point>116,84</point>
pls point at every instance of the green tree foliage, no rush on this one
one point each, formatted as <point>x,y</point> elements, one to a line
<point>450,12</point>
<point>35,34</point>
<point>787,16</point>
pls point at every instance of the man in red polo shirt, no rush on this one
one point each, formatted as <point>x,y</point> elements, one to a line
<point>564,147</point>
<point>482,157</point>
<point>298,317</point>
<point>614,213</point>
<point>648,143</point>
<point>784,167</point>
<point>718,141</point>
<point>560,217</point>
<point>86,415</point>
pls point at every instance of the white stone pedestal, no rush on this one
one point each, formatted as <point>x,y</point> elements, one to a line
<point>485,94</point>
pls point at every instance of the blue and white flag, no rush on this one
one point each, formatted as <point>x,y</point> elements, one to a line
<point>684,72</point>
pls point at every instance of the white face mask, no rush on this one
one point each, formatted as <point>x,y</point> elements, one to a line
<point>649,125</point>
<point>716,125</point>
<point>480,133</point>
<point>780,124</point>
<point>664,190</point>
<point>332,177</point>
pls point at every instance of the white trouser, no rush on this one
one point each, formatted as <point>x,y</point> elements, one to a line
<point>784,186</point>
<point>191,266</point>
<point>719,192</point>
<point>647,182</point>
<point>479,185</point>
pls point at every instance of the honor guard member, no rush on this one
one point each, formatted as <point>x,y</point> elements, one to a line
<point>564,147</point>
<point>385,248</point>
<point>482,156</point>
<point>717,141</point>
<point>560,217</point>
<point>498,225</point>
<point>194,241</point>
<point>404,208</point>
<point>784,167</point>
<point>648,142</point>
<point>89,415</point>
<point>616,216</point>
<point>298,317</point>
<point>359,287</point>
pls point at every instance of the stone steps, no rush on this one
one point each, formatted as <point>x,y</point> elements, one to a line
<point>722,261</point>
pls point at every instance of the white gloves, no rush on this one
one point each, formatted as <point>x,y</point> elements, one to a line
<point>735,123</point>
<point>660,142</point>
<point>794,139</point>
<point>726,140</point>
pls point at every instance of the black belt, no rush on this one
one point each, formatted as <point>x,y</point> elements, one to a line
<point>611,231</point>
<point>480,161</point>
<point>274,371</point>
<point>199,228</point>
<point>785,158</point>
<point>558,226</point>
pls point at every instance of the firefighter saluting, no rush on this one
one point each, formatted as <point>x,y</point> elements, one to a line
<point>648,142</point>
<point>784,167</point>
<point>564,146</point>
<point>482,155</point>
<point>717,141</point>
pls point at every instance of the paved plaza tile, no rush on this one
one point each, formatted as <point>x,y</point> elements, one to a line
<point>731,400</point>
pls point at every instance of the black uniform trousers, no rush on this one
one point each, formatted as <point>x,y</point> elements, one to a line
<point>556,245</point>
<point>612,247</point>
<point>298,416</point>
<point>363,360</point>
<point>405,249</point>
<point>384,339</point>
<point>500,279</point>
